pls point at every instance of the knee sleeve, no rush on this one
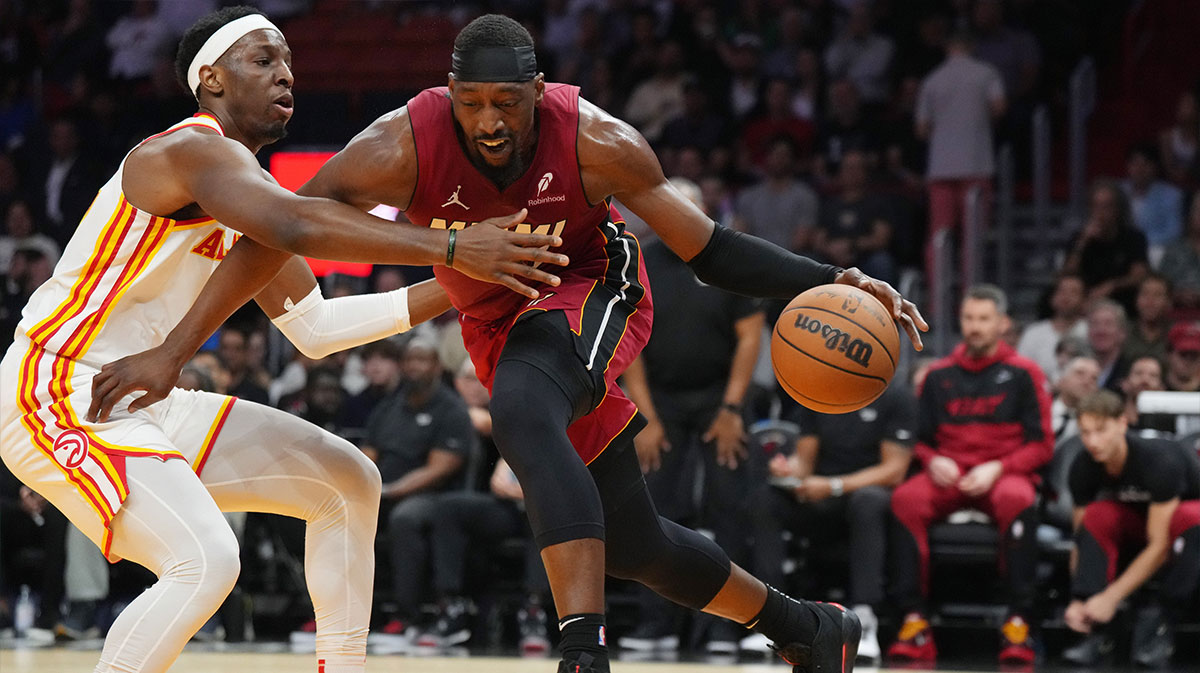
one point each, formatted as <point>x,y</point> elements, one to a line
<point>676,562</point>
<point>530,414</point>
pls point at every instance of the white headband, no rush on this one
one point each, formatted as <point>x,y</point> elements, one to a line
<point>220,42</point>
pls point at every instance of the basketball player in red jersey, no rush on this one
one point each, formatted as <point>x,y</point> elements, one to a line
<point>500,140</point>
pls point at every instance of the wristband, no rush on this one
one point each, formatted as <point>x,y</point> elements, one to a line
<point>450,248</point>
<point>730,406</point>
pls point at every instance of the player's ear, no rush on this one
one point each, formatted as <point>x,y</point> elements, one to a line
<point>450,82</point>
<point>539,88</point>
<point>210,80</point>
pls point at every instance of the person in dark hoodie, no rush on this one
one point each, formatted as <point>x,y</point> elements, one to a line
<point>983,429</point>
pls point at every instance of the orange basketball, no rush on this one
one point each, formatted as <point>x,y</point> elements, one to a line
<point>834,348</point>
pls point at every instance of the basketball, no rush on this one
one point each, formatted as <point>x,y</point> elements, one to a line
<point>834,348</point>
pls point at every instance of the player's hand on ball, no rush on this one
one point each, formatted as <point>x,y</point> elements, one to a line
<point>155,371</point>
<point>903,311</point>
<point>489,251</point>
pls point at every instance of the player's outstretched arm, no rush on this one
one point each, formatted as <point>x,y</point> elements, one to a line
<point>320,327</point>
<point>222,178</point>
<point>616,161</point>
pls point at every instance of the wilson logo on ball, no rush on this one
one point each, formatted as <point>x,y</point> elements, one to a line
<point>855,350</point>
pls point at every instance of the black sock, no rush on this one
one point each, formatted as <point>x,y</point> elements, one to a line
<point>583,634</point>
<point>784,619</point>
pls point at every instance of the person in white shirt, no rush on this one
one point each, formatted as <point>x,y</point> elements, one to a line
<point>1080,378</point>
<point>1040,340</point>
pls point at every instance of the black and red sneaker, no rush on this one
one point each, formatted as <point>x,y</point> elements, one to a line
<point>583,663</point>
<point>833,648</point>
<point>915,640</point>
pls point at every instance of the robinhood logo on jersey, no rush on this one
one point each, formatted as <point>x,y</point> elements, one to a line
<point>554,229</point>
<point>855,350</point>
<point>543,185</point>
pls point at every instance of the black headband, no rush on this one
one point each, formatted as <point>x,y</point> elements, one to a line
<point>494,64</point>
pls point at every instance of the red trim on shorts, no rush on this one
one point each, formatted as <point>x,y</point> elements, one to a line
<point>213,433</point>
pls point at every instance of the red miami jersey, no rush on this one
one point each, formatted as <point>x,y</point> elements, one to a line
<point>604,293</point>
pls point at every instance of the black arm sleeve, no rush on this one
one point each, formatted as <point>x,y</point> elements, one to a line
<point>749,265</point>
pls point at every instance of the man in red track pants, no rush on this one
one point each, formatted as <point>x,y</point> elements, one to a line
<point>983,429</point>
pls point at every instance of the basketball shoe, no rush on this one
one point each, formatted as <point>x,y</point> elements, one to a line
<point>833,648</point>
<point>915,640</point>
<point>582,663</point>
<point>1016,643</point>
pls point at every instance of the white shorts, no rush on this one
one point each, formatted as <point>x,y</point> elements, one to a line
<point>80,466</point>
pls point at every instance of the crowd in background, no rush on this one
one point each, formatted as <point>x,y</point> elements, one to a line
<point>847,130</point>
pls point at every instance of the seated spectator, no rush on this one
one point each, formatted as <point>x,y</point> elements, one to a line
<point>698,125</point>
<point>20,231</point>
<point>233,349</point>
<point>1181,263</point>
<point>660,98</point>
<point>1131,495</point>
<point>844,127</point>
<point>983,430</point>
<point>861,216</point>
<point>1039,340</point>
<point>1107,331</point>
<point>66,177</point>
<point>861,55</point>
<point>1145,373</point>
<point>1183,357</point>
<point>420,437</point>
<point>33,537</point>
<point>473,521</point>
<point>381,366</point>
<point>781,208</point>
<point>808,85</point>
<point>843,469</point>
<point>323,399</point>
<point>1109,252</point>
<point>780,60</point>
<point>138,41</point>
<point>1177,144</point>
<point>1080,378</point>
<point>1148,334</point>
<point>775,119</point>
<point>26,272</point>
<point>745,79</point>
<point>1157,205</point>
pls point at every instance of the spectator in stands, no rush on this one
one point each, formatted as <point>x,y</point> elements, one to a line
<point>1109,252</point>
<point>861,55</point>
<point>1183,357</point>
<point>1080,378</point>
<point>233,349</point>
<point>956,107</point>
<point>780,60</point>
<point>775,119</point>
<point>1108,328</point>
<point>20,231</point>
<point>1040,340</point>
<point>699,125</point>
<point>745,79</point>
<point>68,180</point>
<point>1177,144</point>
<point>845,466</point>
<point>660,98</point>
<point>983,430</point>
<point>1181,263</point>
<point>1157,205</point>
<point>860,216</point>
<point>1148,334</point>
<point>844,126</point>
<point>27,270</point>
<point>1145,373</point>
<point>420,438</point>
<point>781,208</point>
<point>807,101</point>
<point>381,366</point>
<point>323,399</point>
<point>1011,51</point>
<point>1130,494</point>
<point>466,520</point>
<point>693,402</point>
<point>33,537</point>
<point>137,41</point>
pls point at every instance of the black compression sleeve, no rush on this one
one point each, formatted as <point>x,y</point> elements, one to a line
<point>756,268</point>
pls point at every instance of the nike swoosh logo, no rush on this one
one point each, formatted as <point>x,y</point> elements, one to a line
<point>563,624</point>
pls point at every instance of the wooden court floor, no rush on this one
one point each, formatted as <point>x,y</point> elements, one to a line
<point>76,661</point>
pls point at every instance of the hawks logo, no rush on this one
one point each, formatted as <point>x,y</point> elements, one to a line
<point>70,448</point>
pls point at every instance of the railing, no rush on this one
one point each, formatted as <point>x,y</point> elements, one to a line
<point>1081,105</point>
<point>1041,168</point>
<point>1003,222</point>
<point>974,231</point>
<point>942,290</point>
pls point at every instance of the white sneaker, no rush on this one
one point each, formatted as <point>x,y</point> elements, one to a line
<point>868,644</point>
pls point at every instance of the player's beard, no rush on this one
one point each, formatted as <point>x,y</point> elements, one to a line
<point>505,175</point>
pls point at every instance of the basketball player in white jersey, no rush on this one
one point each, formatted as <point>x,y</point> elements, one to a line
<point>149,484</point>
